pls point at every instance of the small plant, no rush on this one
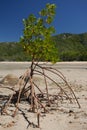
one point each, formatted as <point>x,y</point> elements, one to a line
<point>38,44</point>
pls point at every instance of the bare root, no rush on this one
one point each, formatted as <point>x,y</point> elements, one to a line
<point>39,102</point>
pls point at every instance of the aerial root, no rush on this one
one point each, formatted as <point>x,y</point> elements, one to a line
<point>25,91</point>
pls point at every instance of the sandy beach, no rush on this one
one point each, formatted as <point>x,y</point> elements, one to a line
<point>66,117</point>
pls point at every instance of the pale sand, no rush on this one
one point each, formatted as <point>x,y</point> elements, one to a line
<point>76,74</point>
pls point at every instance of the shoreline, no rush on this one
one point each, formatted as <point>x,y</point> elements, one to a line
<point>44,62</point>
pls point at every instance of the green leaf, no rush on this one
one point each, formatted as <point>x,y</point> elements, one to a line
<point>37,33</point>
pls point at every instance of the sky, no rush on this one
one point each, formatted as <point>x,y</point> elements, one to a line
<point>71,16</point>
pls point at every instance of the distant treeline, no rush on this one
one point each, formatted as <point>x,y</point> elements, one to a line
<point>71,47</point>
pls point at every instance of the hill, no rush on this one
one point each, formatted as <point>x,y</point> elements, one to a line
<point>71,47</point>
<point>12,51</point>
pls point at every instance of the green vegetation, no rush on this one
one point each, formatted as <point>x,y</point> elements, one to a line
<point>71,47</point>
<point>37,35</point>
<point>12,51</point>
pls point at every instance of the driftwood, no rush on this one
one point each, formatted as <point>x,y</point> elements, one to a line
<point>25,90</point>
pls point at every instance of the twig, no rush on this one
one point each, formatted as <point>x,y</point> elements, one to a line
<point>38,88</point>
<point>46,87</point>
<point>3,109</point>
<point>45,110</point>
<point>25,117</point>
<point>56,84</point>
<point>66,84</point>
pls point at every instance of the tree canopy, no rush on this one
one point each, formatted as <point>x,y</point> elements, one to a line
<point>37,35</point>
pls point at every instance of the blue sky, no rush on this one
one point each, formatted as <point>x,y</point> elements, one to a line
<point>71,16</point>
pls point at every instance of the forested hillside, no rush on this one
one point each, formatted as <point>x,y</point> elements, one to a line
<point>12,51</point>
<point>71,47</point>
